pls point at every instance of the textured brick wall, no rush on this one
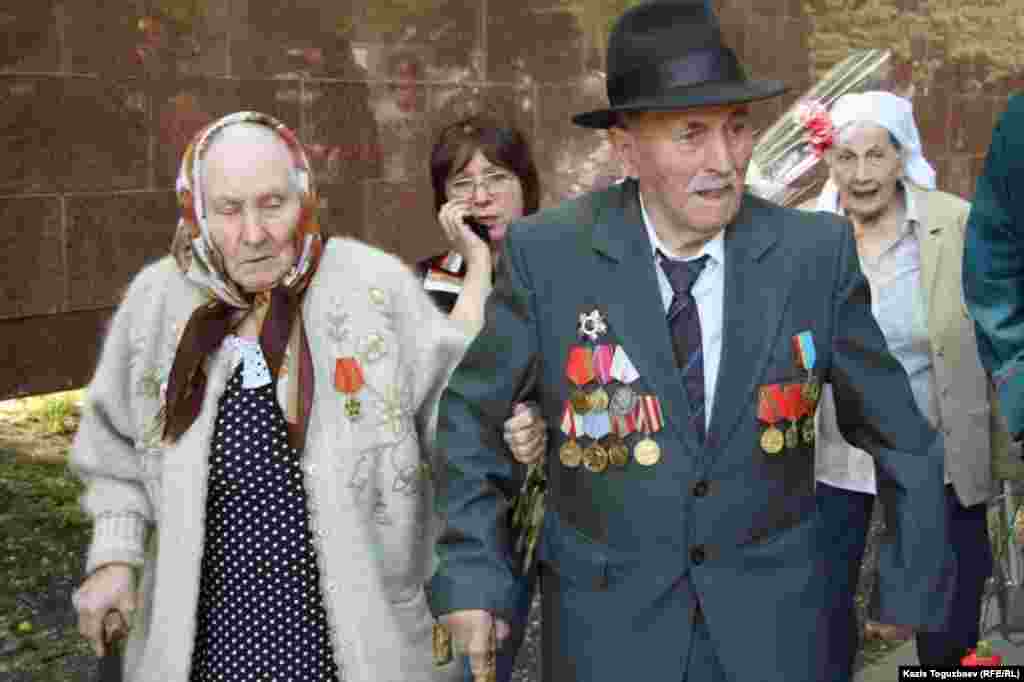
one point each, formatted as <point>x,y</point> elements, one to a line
<point>98,98</point>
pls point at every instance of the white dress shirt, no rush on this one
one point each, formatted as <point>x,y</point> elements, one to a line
<point>709,293</point>
<point>899,304</point>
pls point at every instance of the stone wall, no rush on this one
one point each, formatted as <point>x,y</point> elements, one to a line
<point>99,98</point>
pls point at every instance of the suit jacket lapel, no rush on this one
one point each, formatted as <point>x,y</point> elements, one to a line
<point>930,238</point>
<point>632,300</point>
<point>757,288</point>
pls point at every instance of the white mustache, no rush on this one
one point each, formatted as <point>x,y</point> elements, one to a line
<point>708,183</point>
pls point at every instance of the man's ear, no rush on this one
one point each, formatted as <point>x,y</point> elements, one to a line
<point>623,142</point>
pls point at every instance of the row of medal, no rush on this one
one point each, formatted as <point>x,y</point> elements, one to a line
<point>792,404</point>
<point>787,417</point>
<point>603,409</point>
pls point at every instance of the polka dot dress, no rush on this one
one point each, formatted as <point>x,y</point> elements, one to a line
<point>260,615</point>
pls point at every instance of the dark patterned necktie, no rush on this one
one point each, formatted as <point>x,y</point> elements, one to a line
<point>686,340</point>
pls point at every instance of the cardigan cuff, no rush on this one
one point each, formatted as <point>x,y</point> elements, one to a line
<point>117,538</point>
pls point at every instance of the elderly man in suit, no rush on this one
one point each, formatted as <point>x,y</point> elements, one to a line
<point>679,332</point>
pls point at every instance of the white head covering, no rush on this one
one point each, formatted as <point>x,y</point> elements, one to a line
<point>895,114</point>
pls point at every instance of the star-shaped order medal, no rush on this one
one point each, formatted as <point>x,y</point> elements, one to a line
<point>592,325</point>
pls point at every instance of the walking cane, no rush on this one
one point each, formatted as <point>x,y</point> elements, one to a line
<point>443,653</point>
<point>112,664</point>
<point>491,662</point>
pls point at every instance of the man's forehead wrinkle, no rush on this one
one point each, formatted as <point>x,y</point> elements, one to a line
<point>693,117</point>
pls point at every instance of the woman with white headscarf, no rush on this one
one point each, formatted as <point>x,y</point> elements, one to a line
<point>910,242</point>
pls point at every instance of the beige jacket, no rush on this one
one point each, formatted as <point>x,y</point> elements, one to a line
<point>974,435</point>
<point>368,481</point>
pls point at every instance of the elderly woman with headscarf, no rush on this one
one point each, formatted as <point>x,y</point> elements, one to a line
<point>910,239</point>
<point>256,439</point>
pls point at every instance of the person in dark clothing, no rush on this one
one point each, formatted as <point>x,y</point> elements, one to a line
<point>484,171</point>
<point>481,170</point>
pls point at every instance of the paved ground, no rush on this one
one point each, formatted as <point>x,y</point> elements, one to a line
<point>888,670</point>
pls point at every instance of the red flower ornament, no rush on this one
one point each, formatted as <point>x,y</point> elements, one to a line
<point>820,131</point>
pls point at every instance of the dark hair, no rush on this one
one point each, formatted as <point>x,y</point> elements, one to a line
<point>502,145</point>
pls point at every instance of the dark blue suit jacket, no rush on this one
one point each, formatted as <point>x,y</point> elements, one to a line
<point>994,263</point>
<point>626,554</point>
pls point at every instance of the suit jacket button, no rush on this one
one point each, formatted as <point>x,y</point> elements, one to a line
<point>700,488</point>
<point>697,555</point>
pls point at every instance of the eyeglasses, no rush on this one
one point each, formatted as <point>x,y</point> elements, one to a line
<point>493,183</point>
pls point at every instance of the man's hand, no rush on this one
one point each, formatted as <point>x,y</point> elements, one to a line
<point>471,635</point>
<point>526,433</point>
<point>111,588</point>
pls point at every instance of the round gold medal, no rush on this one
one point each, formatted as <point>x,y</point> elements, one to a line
<point>792,437</point>
<point>646,452</point>
<point>772,441</point>
<point>618,453</point>
<point>807,431</point>
<point>570,454</point>
<point>598,400</point>
<point>580,401</point>
<point>595,458</point>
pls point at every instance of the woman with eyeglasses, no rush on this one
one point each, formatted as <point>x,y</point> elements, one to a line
<point>483,171</point>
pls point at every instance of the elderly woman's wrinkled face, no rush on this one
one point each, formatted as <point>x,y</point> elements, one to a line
<point>253,205</point>
<point>866,168</point>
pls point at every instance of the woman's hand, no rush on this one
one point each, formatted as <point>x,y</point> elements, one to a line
<point>526,433</point>
<point>110,589</point>
<point>461,238</point>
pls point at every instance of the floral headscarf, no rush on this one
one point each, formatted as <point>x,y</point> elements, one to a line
<point>283,343</point>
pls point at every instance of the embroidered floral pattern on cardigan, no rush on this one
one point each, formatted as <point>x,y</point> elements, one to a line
<point>388,401</point>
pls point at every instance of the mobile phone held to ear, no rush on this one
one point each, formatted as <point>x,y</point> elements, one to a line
<point>479,229</point>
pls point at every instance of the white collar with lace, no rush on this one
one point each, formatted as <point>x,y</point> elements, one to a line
<point>255,372</point>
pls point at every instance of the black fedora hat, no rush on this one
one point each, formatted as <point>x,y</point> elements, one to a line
<point>665,55</point>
